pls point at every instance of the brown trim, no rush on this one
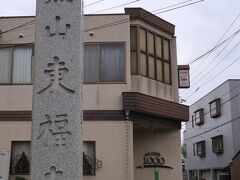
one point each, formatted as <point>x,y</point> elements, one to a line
<point>140,120</point>
<point>183,67</point>
<point>139,13</point>
<point>154,106</point>
<point>104,115</point>
<point>88,115</point>
<point>145,121</point>
<point>5,17</point>
<point>15,115</point>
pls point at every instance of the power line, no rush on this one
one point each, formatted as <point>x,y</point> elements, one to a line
<point>229,53</point>
<point>235,19</point>
<point>228,92</point>
<point>93,3</point>
<point>221,38</point>
<point>114,7</point>
<point>211,129</point>
<point>210,62</point>
<point>214,48</point>
<point>215,76</point>
<point>128,20</point>
<point>121,21</point>
<point>210,71</point>
<point>17,27</point>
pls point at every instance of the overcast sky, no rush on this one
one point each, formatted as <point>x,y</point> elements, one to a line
<point>198,29</point>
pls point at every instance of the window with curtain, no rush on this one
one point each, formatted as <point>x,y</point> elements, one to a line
<point>104,63</point>
<point>20,157</point>
<point>15,65</point>
<point>89,159</point>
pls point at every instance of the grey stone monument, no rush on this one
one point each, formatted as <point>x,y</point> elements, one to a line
<point>57,94</point>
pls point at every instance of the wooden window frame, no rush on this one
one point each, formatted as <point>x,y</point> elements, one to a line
<point>202,145</point>
<point>156,58</point>
<point>98,44</point>
<point>217,139</point>
<point>218,108</point>
<point>12,46</point>
<point>135,50</point>
<point>201,117</point>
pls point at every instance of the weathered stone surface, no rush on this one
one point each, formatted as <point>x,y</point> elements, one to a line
<point>57,109</point>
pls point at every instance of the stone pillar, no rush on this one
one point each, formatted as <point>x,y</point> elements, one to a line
<point>57,94</point>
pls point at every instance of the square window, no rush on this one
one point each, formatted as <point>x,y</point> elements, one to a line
<point>20,158</point>
<point>201,149</point>
<point>16,64</point>
<point>89,159</point>
<point>199,117</point>
<point>217,144</point>
<point>104,63</point>
<point>215,108</point>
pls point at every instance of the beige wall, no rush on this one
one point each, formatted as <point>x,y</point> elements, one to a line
<point>12,37</point>
<point>17,97</point>
<point>96,96</point>
<point>165,142</point>
<point>111,145</point>
<point>107,96</point>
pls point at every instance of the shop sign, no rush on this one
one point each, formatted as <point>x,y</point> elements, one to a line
<point>183,76</point>
<point>154,160</point>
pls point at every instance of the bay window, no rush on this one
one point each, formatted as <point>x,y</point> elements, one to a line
<point>150,54</point>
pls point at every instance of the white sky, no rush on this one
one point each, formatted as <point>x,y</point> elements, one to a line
<point>198,29</point>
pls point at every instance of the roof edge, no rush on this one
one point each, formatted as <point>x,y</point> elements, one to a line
<point>148,17</point>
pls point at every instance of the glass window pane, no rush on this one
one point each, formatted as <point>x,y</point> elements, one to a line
<point>20,157</point>
<point>159,70</point>
<point>151,43</point>
<point>151,67</point>
<point>143,64</point>
<point>159,46</point>
<point>166,51</point>
<point>88,158</point>
<point>143,40</point>
<point>22,64</point>
<point>112,62</point>
<point>133,36</point>
<point>133,63</point>
<point>90,64</point>
<point>5,65</point>
<point>167,73</point>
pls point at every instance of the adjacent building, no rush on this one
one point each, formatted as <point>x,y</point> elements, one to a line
<point>132,118</point>
<point>212,133</point>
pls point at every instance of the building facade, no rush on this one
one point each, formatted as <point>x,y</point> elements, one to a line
<point>212,134</point>
<point>132,118</point>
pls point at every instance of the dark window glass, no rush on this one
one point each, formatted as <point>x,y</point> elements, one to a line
<point>217,144</point>
<point>20,158</point>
